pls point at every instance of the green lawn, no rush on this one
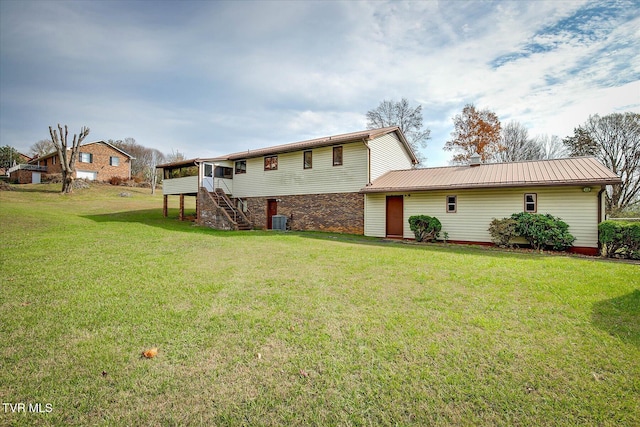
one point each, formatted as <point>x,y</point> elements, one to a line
<point>268,328</point>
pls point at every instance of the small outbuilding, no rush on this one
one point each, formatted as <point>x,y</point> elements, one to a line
<point>466,198</point>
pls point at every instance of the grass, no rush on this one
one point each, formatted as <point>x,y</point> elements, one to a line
<point>265,328</point>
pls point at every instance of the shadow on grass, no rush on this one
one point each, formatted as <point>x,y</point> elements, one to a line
<point>620,317</point>
<point>154,218</point>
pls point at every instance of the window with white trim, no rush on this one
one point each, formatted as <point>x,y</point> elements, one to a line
<point>114,161</point>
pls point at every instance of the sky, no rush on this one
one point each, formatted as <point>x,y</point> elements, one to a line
<point>206,78</point>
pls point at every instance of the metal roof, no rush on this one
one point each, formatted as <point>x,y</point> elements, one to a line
<point>571,171</point>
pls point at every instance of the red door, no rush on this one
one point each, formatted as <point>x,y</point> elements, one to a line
<point>395,213</point>
<point>272,209</point>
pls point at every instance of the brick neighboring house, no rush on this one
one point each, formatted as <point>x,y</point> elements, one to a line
<point>97,161</point>
<point>23,159</point>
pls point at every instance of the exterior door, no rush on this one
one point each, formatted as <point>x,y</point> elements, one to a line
<point>395,213</point>
<point>272,209</point>
<point>35,177</point>
<point>207,179</point>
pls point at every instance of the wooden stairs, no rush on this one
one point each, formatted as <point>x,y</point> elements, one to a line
<point>237,217</point>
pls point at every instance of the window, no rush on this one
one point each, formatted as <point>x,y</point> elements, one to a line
<point>452,204</point>
<point>223,172</point>
<point>53,160</point>
<point>44,162</point>
<point>208,170</point>
<point>86,157</point>
<point>271,163</point>
<point>241,166</point>
<point>307,159</point>
<point>337,156</point>
<point>114,161</point>
<point>530,202</point>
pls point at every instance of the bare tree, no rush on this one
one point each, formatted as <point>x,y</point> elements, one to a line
<point>475,131</point>
<point>615,140</point>
<point>551,147</point>
<point>515,144</point>
<point>408,119</point>
<point>67,155</point>
<point>42,148</point>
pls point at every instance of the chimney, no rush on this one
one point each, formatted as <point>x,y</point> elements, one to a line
<point>474,160</point>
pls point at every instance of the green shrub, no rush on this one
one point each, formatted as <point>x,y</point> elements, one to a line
<point>426,228</point>
<point>503,231</point>
<point>620,239</point>
<point>543,231</point>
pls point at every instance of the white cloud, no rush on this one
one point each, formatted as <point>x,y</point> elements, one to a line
<point>208,78</point>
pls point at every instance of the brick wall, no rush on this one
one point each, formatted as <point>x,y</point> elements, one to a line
<point>100,162</point>
<point>209,214</point>
<point>21,176</point>
<point>339,212</point>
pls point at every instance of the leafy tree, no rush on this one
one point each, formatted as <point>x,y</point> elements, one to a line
<point>615,141</point>
<point>475,131</point>
<point>67,155</point>
<point>42,148</point>
<point>408,119</point>
<point>9,157</point>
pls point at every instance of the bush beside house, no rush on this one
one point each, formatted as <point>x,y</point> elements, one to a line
<point>425,227</point>
<point>620,239</point>
<point>542,231</point>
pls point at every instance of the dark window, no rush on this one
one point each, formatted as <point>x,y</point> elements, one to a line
<point>530,202</point>
<point>271,163</point>
<point>307,160</point>
<point>452,204</point>
<point>114,161</point>
<point>241,166</point>
<point>337,156</point>
<point>223,172</point>
<point>208,170</point>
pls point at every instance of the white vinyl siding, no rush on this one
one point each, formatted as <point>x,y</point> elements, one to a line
<point>476,209</point>
<point>375,209</point>
<point>184,185</point>
<point>292,179</point>
<point>388,153</point>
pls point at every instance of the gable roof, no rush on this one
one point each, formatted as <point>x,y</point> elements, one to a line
<point>46,156</point>
<point>365,135</point>
<point>571,171</point>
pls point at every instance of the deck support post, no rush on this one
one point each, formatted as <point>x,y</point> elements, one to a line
<point>181,207</point>
<point>165,206</point>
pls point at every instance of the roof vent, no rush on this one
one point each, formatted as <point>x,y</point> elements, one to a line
<point>474,160</point>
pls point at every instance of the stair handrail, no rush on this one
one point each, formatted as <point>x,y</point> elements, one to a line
<point>215,202</point>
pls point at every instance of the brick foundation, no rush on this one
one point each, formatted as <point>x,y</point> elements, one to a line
<point>209,214</point>
<point>339,212</point>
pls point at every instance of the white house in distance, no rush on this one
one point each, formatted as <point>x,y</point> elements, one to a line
<point>364,183</point>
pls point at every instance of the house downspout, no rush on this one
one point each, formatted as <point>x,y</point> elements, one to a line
<point>364,141</point>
